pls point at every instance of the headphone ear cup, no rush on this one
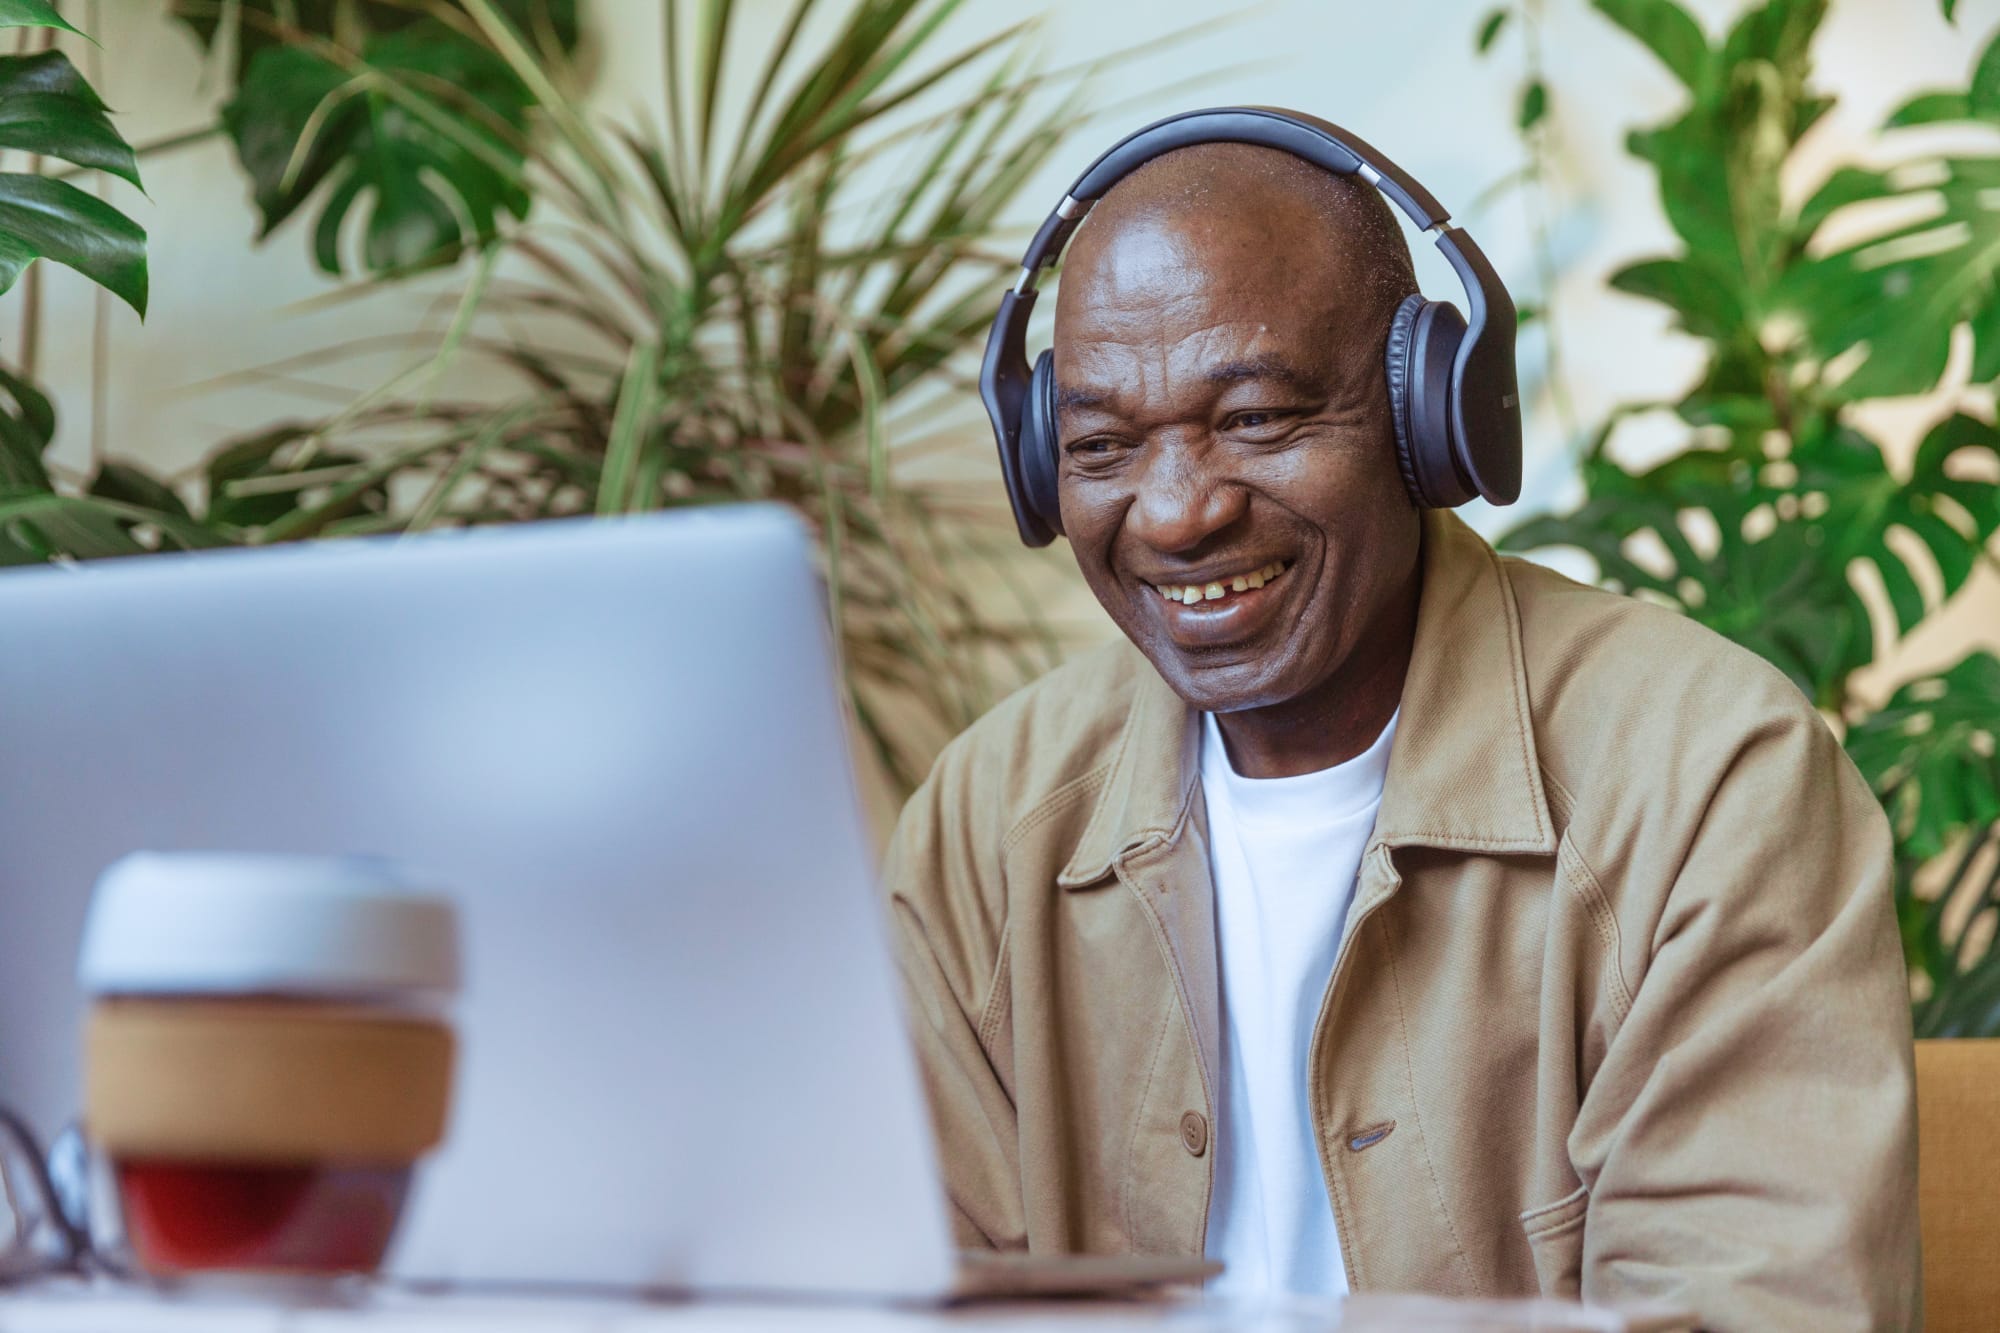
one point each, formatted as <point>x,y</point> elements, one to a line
<point>1038,444</point>
<point>1396,362</point>
<point>1435,336</point>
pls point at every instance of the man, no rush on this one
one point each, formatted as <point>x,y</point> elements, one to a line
<point>1386,914</point>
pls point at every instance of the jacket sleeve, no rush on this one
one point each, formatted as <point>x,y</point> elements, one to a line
<point>1749,1140</point>
<point>946,901</point>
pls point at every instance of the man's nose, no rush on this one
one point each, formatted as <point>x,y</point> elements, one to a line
<point>1183,500</point>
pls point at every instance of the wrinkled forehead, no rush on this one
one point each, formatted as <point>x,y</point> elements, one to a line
<point>1176,292</point>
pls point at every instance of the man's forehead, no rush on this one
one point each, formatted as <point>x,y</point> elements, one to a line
<point>1157,293</point>
<point>1112,379</point>
<point>1125,330</point>
<point>1180,260</point>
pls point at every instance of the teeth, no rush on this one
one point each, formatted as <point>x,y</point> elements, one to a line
<point>1190,593</point>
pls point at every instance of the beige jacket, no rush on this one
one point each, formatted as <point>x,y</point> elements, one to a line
<point>1619,1009</point>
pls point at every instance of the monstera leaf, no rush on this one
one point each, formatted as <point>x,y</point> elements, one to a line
<point>1769,587</point>
<point>1773,571</point>
<point>1779,510</point>
<point>383,112</point>
<point>1894,297</point>
<point>130,484</point>
<point>1945,505</point>
<point>1707,298</point>
<point>1791,496</point>
<point>428,190</point>
<point>263,487</point>
<point>27,424</point>
<point>1669,32</point>
<point>35,522</point>
<point>46,108</point>
<point>1715,162</point>
<point>1930,754</point>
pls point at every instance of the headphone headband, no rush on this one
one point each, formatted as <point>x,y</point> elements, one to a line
<point>1325,145</point>
<point>1481,372</point>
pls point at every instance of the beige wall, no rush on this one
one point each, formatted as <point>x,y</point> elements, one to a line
<point>1401,74</point>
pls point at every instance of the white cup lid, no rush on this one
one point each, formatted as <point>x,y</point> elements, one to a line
<point>235,923</point>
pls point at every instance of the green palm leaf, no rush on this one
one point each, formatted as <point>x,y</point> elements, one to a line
<point>770,358</point>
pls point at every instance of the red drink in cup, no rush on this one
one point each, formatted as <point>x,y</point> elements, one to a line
<point>266,1056</point>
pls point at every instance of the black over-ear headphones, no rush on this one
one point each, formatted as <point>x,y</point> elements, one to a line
<point>1452,390</point>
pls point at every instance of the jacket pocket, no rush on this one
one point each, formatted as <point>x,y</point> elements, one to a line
<point>1555,1239</point>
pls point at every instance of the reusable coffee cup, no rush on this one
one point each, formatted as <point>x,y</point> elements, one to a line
<point>266,1055</point>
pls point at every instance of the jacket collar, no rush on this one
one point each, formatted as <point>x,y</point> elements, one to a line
<point>1463,774</point>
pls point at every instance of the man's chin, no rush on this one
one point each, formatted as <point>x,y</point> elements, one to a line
<point>1218,681</point>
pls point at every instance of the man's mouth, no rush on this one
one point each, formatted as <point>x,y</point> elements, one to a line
<point>1222,588</point>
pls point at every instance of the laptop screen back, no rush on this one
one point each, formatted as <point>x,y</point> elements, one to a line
<point>621,746</point>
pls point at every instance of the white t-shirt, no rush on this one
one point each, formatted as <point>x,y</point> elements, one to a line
<point>1284,853</point>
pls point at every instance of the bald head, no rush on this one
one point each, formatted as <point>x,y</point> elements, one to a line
<point>1232,212</point>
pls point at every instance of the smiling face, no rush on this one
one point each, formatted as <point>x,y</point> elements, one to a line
<point>1227,462</point>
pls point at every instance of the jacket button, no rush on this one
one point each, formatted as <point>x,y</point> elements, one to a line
<point>1194,1133</point>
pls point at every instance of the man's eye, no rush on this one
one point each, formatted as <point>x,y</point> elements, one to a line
<point>1090,446</point>
<point>1254,420</point>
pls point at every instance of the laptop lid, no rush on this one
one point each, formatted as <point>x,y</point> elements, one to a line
<point>622,747</point>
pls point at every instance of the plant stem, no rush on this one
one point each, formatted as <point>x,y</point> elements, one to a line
<point>100,304</point>
<point>40,39</point>
<point>158,147</point>
<point>31,314</point>
<point>1535,200</point>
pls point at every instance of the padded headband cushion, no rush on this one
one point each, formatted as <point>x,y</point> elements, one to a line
<point>1041,466</point>
<point>1396,362</point>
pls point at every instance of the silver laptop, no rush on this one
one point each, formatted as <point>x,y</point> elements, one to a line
<point>622,745</point>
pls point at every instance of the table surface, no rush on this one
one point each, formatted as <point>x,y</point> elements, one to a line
<point>76,1308</point>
